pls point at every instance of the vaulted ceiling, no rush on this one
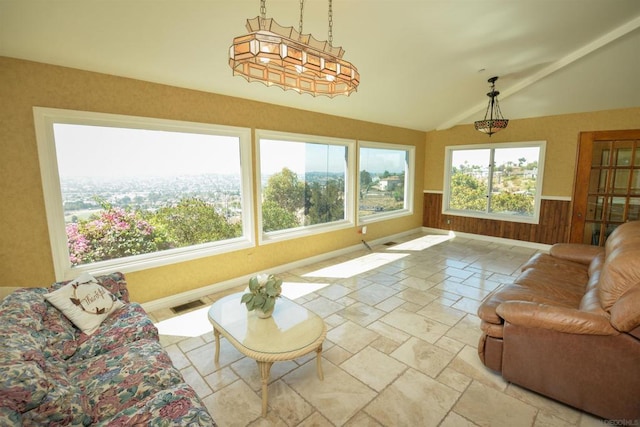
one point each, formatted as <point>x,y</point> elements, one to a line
<point>424,64</point>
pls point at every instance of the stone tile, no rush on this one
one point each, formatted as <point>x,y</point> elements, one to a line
<point>224,404</point>
<point>362,314</point>
<point>316,420</point>
<point>443,314</point>
<point>374,368</point>
<point>193,378</point>
<point>338,397</point>
<point>191,343</point>
<point>455,420</point>
<point>351,337</point>
<point>361,419</point>
<point>220,378</point>
<point>334,292</point>
<point>549,406</point>
<point>247,369</point>
<point>468,363</point>
<point>423,356</point>
<point>180,361</point>
<point>323,307</point>
<point>373,294</point>
<point>413,399</point>
<point>454,379</point>
<point>287,404</point>
<point>416,325</point>
<point>486,406</point>
<point>416,297</point>
<point>336,355</point>
<point>390,304</point>
<point>389,332</point>
<point>203,357</point>
<point>466,330</point>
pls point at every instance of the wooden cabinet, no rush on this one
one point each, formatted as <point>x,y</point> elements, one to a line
<point>607,184</point>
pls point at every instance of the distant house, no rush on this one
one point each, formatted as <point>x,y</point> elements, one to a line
<point>390,183</point>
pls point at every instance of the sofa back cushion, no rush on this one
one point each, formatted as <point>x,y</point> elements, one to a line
<point>23,383</point>
<point>620,276</point>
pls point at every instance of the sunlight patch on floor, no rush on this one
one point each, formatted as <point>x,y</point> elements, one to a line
<point>422,243</point>
<point>356,266</point>
<point>192,324</point>
<point>196,323</point>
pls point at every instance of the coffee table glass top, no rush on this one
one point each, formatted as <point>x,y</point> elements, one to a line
<point>291,327</point>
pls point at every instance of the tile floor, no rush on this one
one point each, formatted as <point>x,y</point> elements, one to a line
<point>400,348</point>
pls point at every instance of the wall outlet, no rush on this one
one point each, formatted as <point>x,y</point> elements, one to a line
<point>364,230</point>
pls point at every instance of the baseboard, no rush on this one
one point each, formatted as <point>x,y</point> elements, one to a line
<point>185,297</point>
<point>501,240</point>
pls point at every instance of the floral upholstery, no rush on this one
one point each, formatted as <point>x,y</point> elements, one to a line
<point>53,374</point>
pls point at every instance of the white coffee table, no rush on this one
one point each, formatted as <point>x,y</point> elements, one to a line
<point>292,331</point>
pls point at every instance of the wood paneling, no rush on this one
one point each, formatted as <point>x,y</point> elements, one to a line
<point>553,226</point>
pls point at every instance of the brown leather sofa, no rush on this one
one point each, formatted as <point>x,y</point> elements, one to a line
<point>568,327</point>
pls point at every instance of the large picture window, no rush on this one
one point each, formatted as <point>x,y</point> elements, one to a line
<point>386,179</point>
<point>129,193</point>
<point>305,184</point>
<point>500,181</point>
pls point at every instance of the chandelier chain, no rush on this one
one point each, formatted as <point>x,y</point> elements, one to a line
<point>301,16</point>
<point>263,9</point>
<point>330,23</point>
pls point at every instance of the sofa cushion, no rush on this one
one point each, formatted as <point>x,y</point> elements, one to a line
<point>64,404</point>
<point>121,378</point>
<point>23,385</point>
<point>127,325</point>
<point>620,273</point>
<point>85,302</point>
<point>176,406</point>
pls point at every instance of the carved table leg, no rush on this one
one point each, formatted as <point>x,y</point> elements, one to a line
<point>265,369</point>
<point>319,362</point>
<point>216,333</point>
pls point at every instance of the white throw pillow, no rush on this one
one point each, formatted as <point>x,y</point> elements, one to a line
<point>85,302</point>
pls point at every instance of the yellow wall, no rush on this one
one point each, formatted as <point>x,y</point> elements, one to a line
<point>560,132</point>
<point>25,253</point>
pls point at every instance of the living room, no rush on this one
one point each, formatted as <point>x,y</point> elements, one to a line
<point>28,82</point>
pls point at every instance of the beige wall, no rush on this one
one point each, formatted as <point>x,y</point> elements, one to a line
<point>560,132</point>
<point>25,254</point>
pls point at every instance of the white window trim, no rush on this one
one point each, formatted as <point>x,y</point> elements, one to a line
<point>408,188</point>
<point>44,121</point>
<point>534,219</point>
<point>294,233</point>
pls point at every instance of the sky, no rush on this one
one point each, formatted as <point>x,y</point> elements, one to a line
<point>108,151</point>
<point>102,151</point>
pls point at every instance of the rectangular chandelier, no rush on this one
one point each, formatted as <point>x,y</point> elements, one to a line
<point>283,57</point>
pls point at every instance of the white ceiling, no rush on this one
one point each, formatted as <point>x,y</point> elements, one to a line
<point>424,64</point>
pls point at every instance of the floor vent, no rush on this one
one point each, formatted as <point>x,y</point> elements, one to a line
<point>188,306</point>
<point>390,243</point>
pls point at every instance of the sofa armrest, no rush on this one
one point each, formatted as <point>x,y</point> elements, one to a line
<point>561,319</point>
<point>576,252</point>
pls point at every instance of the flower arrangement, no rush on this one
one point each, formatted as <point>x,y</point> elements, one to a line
<point>263,291</point>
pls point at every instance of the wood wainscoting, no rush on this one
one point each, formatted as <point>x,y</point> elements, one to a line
<point>553,227</point>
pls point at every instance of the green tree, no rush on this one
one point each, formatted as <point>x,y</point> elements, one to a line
<point>193,221</point>
<point>365,182</point>
<point>326,202</point>
<point>286,190</point>
<point>275,217</point>
<point>512,202</point>
<point>467,192</point>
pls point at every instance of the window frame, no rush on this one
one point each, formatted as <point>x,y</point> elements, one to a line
<point>446,197</point>
<point>45,118</point>
<point>409,183</point>
<point>309,230</point>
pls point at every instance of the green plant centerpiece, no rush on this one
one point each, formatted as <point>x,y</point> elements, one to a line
<point>263,291</point>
